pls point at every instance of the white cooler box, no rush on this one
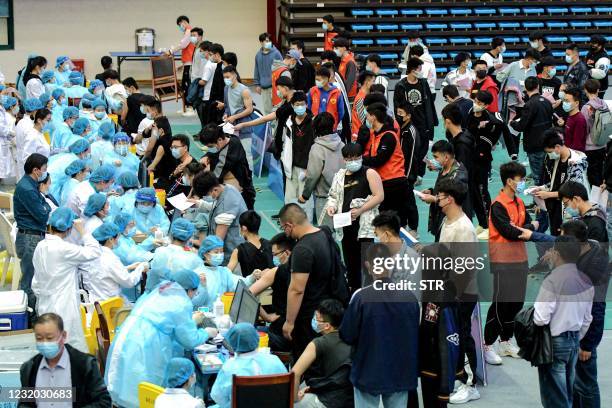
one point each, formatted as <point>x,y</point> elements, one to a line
<point>13,311</point>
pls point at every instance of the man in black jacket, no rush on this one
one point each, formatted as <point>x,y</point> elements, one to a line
<point>536,117</point>
<point>451,95</point>
<point>575,199</point>
<point>60,365</point>
<point>303,74</point>
<point>598,62</point>
<point>414,89</point>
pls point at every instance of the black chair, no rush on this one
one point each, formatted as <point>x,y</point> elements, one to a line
<point>256,391</point>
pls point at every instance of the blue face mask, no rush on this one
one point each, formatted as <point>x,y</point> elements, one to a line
<point>227,81</point>
<point>354,165</point>
<point>49,349</point>
<point>131,232</point>
<point>53,103</point>
<point>315,324</point>
<point>42,176</point>
<point>99,115</point>
<point>299,110</point>
<point>176,152</point>
<point>324,26</point>
<point>267,45</point>
<point>552,72</point>
<point>276,260</point>
<point>64,102</point>
<point>567,106</point>
<point>572,212</point>
<point>145,209</point>
<point>121,150</point>
<point>520,187</point>
<point>437,165</point>
<point>376,240</point>
<point>142,110</point>
<point>213,149</point>
<point>368,124</point>
<point>469,65</point>
<point>216,259</point>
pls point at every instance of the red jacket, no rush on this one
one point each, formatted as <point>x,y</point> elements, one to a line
<point>491,86</point>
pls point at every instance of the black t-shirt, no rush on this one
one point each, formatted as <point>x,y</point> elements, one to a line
<point>414,96</point>
<point>282,114</point>
<point>280,286</point>
<point>303,139</point>
<point>168,163</point>
<point>355,186</point>
<point>550,86</point>
<point>312,255</point>
<point>250,257</point>
<point>134,115</point>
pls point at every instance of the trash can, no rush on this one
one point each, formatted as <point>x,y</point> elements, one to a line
<point>145,40</point>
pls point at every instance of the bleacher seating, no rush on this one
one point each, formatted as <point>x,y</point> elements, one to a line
<point>446,27</point>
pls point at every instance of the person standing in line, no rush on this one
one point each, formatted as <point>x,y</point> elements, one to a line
<point>575,135</point>
<point>262,77</point>
<point>347,68</point>
<point>187,49</point>
<point>331,32</point>
<point>304,73</point>
<point>596,153</point>
<point>576,73</point>
<point>598,62</point>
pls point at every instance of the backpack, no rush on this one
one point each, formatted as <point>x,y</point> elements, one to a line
<point>338,283</point>
<point>602,127</point>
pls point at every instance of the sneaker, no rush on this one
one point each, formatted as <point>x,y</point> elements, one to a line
<point>507,349</point>
<point>464,393</point>
<point>491,356</point>
<point>418,181</point>
<point>189,112</point>
<point>484,235</point>
<point>539,268</point>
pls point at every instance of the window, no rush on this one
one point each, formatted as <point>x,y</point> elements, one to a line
<point>7,41</point>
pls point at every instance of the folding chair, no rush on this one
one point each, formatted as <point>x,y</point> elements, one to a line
<point>102,337</point>
<point>164,82</point>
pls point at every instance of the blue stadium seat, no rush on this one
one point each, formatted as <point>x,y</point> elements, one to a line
<point>390,70</point>
<point>509,24</point>
<point>525,39</point>
<point>411,12</point>
<point>579,38</point>
<point>452,54</point>
<point>388,55</point>
<point>557,10</point>
<point>600,24</point>
<point>362,27</point>
<point>603,10</point>
<point>533,24</point>
<point>484,25</point>
<point>438,55</point>
<point>436,26</point>
<point>580,24</point>
<point>411,26</point>
<point>386,41</point>
<point>581,10</point>
<point>387,26</point>
<point>533,10</point>
<point>583,53</point>
<point>441,70</point>
<point>509,10</point>
<point>561,67</point>
<point>608,38</point>
<point>460,40</point>
<point>556,24</point>
<point>460,26</point>
<point>436,12</point>
<point>483,40</point>
<point>485,11</point>
<point>361,12</point>
<point>387,12</point>
<point>436,40</point>
<point>362,41</point>
<point>512,54</point>
<point>558,54</point>
<point>556,38</point>
<point>460,11</point>
<point>512,40</point>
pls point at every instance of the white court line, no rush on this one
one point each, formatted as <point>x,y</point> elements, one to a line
<point>269,221</point>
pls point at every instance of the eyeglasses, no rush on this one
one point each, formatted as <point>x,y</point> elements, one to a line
<point>278,253</point>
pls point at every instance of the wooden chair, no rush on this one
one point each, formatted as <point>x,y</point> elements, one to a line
<point>164,82</point>
<point>102,338</point>
<point>148,393</point>
<point>250,391</point>
<point>11,253</point>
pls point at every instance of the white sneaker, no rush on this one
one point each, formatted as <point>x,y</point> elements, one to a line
<point>189,112</point>
<point>506,348</point>
<point>464,394</point>
<point>491,356</point>
<point>483,235</point>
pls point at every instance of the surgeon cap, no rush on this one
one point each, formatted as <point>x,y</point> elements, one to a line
<point>178,371</point>
<point>128,180</point>
<point>76,166</point>
<point>62,218</point>
<point>103,173</point>
<point>121,137</point>
<point>86,101</point>
<point>32,104</point>
<point>146,194</point>
<point>243,338</point>
<point>58,93</point>
<point>60,60</point>
<point>208,244</point>
<point>70,112</point>
<point>182,229</point>
<point>47,76</point>
<point>8,102</point>
<point>106,130</point>
<point>122,220</point>
<point>105,231</point>
<point>94,84</point>
<point>45,98</point>
<point>97,103</point>
<point>79,146</point>
<point>75,78</point>
<point>187,278</point>
<point>79,126</point>
<point>95,203</point>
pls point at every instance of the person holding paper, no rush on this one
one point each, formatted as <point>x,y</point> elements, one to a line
<point>357,191</point>
<point>575,200</point>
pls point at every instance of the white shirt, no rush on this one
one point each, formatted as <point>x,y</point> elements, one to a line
<point>55,285</point>
<point>564,301</point>
<point>59,376</point>
<point>460,230</point>
<point>490,60</point>
<point>21,128</point>
<point>177,397</point>
<point>463,82</point>
<point>110,276</point>
<point>142,146</point>
<point>207,75</point>
<point>34,88</point>
<point>79,196</point>
<point>33,142</point>
<point>197,67</point>
<point>382,80</point>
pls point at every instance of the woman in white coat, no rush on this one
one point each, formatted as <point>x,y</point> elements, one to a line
<point>99,181</point>
<point>8,159</point>
<point>55,272</point>
<point>31,105</point>
<point>34,140</point>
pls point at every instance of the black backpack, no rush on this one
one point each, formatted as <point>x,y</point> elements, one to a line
<point>339,285</point>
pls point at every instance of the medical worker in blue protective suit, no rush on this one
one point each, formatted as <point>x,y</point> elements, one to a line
<point>99,115</point>
<point>219,279</point>
<point>46,100</point>
<point>57,112</point>
<point>160,322</point>
<point>244,339</point>
<point>62,136</point>
<point>127,249</point>
<point>82,128</point>
<point>180,378</point>
<point>63,69</point>
<point>179,254</point>
<point>76,89</point>
<point>48,80</point>
<point>59,162</point>
<point>96,87</point>
<point>103,145</point>
<point>148,214</point>
<point>85,108</point>
<point>77,171</point>
<point>120,157</point>
<point>100,181</point>
<point>127,184</point>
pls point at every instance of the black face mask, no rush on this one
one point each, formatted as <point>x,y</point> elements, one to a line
<point>594,48</point>
<point>481,74</point>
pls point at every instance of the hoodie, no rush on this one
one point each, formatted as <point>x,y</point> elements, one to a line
<point>324,161</point>
<point>464,146</point>
<point>595,219</point>
<point>487,85</point>
<point>588,111</point>
<point>263,67</point>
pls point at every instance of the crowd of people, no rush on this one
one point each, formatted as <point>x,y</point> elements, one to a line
<point>93,165</point>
